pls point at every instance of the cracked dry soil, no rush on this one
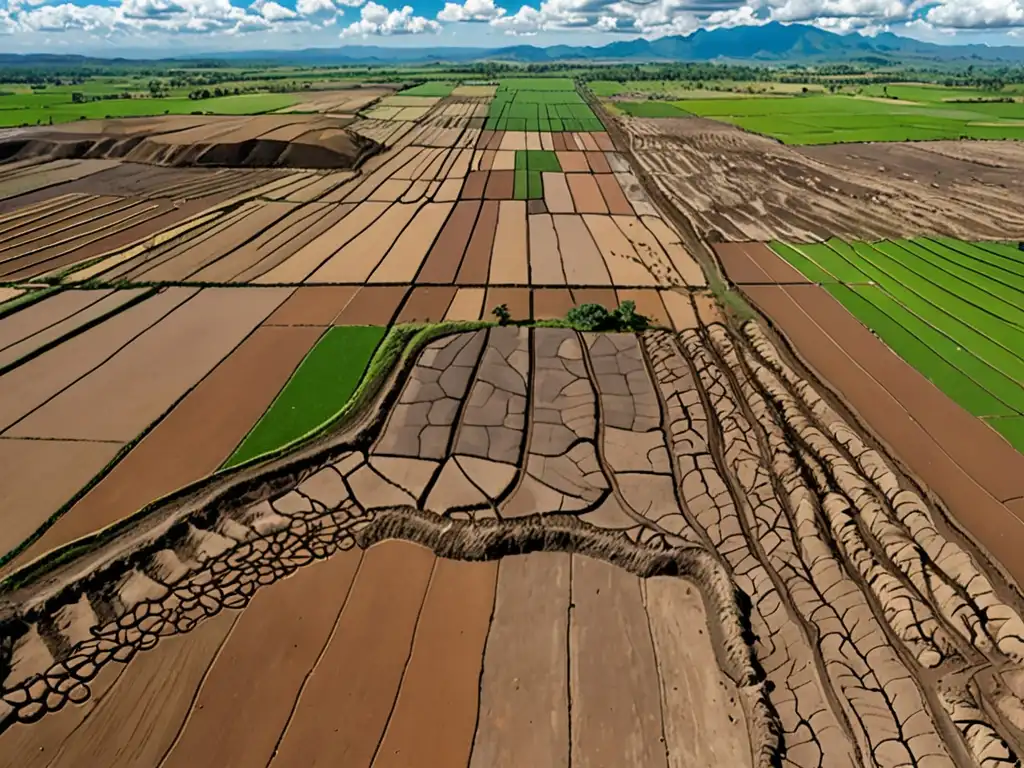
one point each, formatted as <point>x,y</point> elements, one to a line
<point>859,627</point>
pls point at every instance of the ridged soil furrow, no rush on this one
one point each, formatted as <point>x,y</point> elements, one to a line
<point>878,693</point>
<point>964,593</point>
<point>815,734</point>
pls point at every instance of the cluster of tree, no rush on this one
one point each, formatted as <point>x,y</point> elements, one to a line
<point>77,97</point>
<point>216,93</point>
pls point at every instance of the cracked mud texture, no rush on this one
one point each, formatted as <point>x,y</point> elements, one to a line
<point>855,624</point>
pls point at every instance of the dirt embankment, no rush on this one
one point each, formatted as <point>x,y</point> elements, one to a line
<point>269,141</point>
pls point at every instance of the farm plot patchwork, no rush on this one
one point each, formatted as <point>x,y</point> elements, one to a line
<point>951,309</point>
<point>545,105</point>
<point>649,464</point>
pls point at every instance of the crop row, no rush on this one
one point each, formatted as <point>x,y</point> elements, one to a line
<point>953,310</point>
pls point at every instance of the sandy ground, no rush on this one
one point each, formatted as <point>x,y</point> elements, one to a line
<point>509,259</point>
<point>582,259</point>
<point>647,463</point>
<point>475,264</point>
<point>410,250</point>
<point>739,186</point>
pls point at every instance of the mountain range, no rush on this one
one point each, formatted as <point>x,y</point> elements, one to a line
<point>768,43</point>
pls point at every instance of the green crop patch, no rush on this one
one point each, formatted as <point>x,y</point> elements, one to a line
<point>917,113</point>
<point>551,106</point>
<point>315,393</point>
<point>953,310</point>
<point>438,89</point>
<point>650,109</point>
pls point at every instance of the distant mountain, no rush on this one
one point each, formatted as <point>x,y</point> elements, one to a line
<point>769,43</point>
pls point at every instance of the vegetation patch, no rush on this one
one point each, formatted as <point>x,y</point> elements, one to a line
<point>437,89</point>
<point>530,164</point>
<point>319,389</point>
<point>650,109</point>
<point>551,105</point>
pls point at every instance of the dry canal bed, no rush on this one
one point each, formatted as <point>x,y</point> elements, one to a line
<point>700,461</point>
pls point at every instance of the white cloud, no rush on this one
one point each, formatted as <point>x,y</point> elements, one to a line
<point>471,10</point>
<point>273,12</point>
<point>977,14</point>
<point>375,19</point>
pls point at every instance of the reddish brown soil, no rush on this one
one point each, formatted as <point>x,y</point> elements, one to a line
<point>500,185</point>
<point>445,256</point>
<point>345,707</point>
<point>43,314</point>
<point>604,296</point>
<point>586,196</point>
<point>516,299</point>
<point>313,305</point>
<point>740,268</point>
<point>966,463</point>
<point>598,162</point>
<point>192,440</point>
<point>604,142</point>
<point>648,304</point>
<point>476,264</point>
<point>558,141</point>
<point>551,303</point>
<point>163,216</point>
<point>37,477</point>
<point>435,715</point>
<point>754,263</point>
<point>373,305</point>
<point>484,138</point>
<point>573,162</point>
<point>495,141</point>
<point>33,383</point>
<point>239,714</point>
<point>487,160</point>
<point>426,304</point>
<point>536,206</point>
<point>473,189</point>
<point>131,390</point>
<point>613,196</point>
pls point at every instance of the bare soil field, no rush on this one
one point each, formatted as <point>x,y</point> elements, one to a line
<point>735,185</point>
<point>281,141</point>
<point>718,566</point>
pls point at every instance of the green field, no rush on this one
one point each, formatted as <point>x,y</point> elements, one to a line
<point>649,109</point>
<point>439,89</point>
<point>953,310</point>
<point>42,109</point>
<point>530,164</point>
<point>315,393</point>
<point>897,112</point>
<point>544,104</point>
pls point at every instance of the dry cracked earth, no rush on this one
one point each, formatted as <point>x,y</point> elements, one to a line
<point>858,627</point>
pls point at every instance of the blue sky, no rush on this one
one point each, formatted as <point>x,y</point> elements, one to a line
<point>162,27</point>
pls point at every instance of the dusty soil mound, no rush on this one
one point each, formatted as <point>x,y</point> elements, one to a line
<point>269,141</point>
<point>741,186</point>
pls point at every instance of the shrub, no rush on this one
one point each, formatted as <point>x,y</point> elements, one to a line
<point>501,312</point>
<point>589,317</point>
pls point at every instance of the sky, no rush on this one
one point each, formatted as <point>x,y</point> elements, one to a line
<point>153,28</point>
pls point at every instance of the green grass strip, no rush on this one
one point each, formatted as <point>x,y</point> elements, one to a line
<point>521,188</point>
<point>996,297</point>
<point>1006,250</point>
<point>831,260</point>
<point>932,354</point>
<point>521,160</point>
<point>535,185</point>
<point>1012,428</point>
<point>996,265</point>
<point>807,268</point>
<point>319,388</point>
<point>969,327</point>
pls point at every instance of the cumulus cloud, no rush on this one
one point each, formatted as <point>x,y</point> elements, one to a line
<point>375,19</point>
<point>471,10</point>
<point>977,14</point>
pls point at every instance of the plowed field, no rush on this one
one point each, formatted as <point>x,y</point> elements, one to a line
<point>746,501</point>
